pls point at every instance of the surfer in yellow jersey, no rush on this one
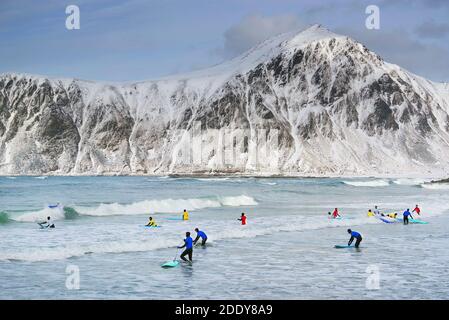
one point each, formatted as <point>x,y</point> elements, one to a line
<point>392,215</point>
<point>370,213</point>
<point>151,223</point>
<point>185,215</point>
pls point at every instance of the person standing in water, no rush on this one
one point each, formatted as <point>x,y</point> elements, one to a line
<point>202,235</point>
<point>417,210</point>
<point>243,219</point>
<point>354,235</point>
<point>47,224</point>
<point>188,244</point>
<point>335,214</point>
<point>151,223</point>
<point>407,214</point>
<point>185,215</point>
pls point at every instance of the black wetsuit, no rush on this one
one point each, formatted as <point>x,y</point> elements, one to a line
<point>188,244</point>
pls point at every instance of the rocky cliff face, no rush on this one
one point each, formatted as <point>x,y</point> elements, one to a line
<point>313,103</point>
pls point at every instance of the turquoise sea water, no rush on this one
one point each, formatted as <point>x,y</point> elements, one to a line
<point>285,252</point>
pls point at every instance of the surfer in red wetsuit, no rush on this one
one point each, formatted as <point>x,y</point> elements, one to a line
<point>335,213</point>
<point>417,210</point>
<point>243,219</point>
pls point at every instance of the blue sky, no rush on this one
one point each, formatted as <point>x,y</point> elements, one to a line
<point>145,39</point>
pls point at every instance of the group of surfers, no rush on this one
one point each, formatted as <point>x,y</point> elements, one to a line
<point>373,213</point>
<point>376,213</point>
<point>406,214</point>
<point>188,241</point>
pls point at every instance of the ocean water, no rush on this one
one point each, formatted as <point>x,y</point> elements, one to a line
<point>285,252</point>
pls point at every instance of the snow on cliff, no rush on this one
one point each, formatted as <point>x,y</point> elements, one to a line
<point>300,103</point>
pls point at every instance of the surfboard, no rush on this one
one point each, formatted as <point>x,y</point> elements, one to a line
<point>170,264</point>
<point>386,220</point>
<point>340,246</point>
<point>418,221</point>
<point>151,226</point>
<point>413,221</point>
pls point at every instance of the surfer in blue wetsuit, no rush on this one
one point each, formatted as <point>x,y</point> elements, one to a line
<point>202,235</point>
<point>354,235</point>
<point>188,244</point>
<point>407,214</point>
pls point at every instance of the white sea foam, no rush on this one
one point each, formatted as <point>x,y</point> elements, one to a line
<point>410,182</point>
<point>368,183</point>
<point>41,215</point>
<point>165,206</point>
<point>436,186</point>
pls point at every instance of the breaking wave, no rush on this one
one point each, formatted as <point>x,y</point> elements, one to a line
<point>165,206</point>
<point>368,183</point>
<point>410,182</point>
<point>41,215</point>
<point>4,218</point>
<point>435,186</point>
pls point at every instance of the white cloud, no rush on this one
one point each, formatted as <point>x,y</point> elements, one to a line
<point>254,29</point>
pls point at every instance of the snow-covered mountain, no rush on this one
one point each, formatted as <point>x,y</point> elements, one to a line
<point>337,108</point>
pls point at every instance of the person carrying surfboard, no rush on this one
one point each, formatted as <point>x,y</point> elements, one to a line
<point>243,219</point>
<point>185,215</point>
<point>406,215</point>
<point>354,235</point>
<point>188,244</point>
<point>202,235</point>
<point>151,222</point>
<point>417,210</point>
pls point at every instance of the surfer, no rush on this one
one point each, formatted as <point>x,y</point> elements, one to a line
<point>407,214</point>
<point>185,215</point>
<point>243,219</point>
<point>151,222</point>
<point>188,244</point>
<point>335,214</point>
<point>370,213</point>
<point>376,211</point>
<point>392,215</point>
<point>354,235</point>
<point>417,210</point>
<point>202,235</point>
<point>47,224</point>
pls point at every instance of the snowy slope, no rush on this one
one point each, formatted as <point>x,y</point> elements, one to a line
<point>327,104</point>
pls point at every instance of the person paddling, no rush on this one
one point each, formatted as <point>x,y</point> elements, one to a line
<point>354,235</point>
<point>188,244</point>
<point>202,235</point>
<point>243,219</point>
<point>47,224</point>
<point>406,215</point>
<point>151,222</point>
